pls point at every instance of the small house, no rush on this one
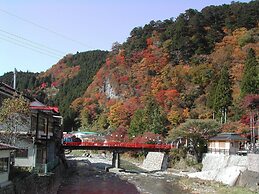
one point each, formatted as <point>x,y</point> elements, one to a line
<point>227,143</point>
<point>5,153</point>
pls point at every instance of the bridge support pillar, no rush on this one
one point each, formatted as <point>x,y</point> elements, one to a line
<point>116,160</point>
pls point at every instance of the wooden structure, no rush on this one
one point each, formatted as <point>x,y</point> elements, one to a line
<point>227,143</point>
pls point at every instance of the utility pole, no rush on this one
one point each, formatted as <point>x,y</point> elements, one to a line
<point>14,79</point>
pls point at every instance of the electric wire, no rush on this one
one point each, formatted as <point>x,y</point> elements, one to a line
<point>46,29</point>
<point>24,46</point>
<point>34,43</point>
<point>29,43</point>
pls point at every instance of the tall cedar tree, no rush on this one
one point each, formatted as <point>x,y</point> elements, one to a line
<point>138,123</point>
<point>150,119</point>
<point>155,118</point>
<point>250,81</point>
<point>223,95</point>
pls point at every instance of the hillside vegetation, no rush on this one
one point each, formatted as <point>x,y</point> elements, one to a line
<point>191,67</point>
<point>200,65</point>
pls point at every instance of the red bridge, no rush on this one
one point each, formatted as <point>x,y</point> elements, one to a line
<point>117,146</point>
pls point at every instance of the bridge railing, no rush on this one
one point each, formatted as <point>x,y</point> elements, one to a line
<point>120,144</point>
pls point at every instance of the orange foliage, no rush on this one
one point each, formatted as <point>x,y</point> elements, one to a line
<point>60,72</point>
<point>235,127</point>
<point>166,98</point>
<point>122,112</point>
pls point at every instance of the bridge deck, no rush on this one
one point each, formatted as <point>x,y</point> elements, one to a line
<point>117,146</point>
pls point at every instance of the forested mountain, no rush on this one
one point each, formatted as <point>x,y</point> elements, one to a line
<point>191,67</point>
<point>199,65</point>
<point>61,84</point>
<point>25,80</point>
<point>88,63</point>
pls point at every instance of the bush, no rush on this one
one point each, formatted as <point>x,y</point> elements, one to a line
<point>245,39</point>
<point>176,155</point>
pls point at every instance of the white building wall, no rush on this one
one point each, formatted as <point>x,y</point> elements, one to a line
<point>30,160</point>
<point>227,145</point>
<point>4,176</point>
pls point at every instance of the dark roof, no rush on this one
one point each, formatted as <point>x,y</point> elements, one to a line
<point>7,90</point>
<point>6,147</point>
<point>228,137</point>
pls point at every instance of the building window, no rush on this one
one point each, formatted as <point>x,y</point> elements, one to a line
<point>3,165</point>
<point>33,123</point>
<point>43,124</point>
<point>21,153</point>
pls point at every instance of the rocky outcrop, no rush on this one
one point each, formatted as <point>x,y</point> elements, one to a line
<point>109,91</point>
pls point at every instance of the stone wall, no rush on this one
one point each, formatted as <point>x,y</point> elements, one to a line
<point>155,161</point>
<point>219,161</point>
<point>7,189</point>
<point>39,184</point>
<point>253,162</point>
<point>249,179</point>
<point>222,168</point>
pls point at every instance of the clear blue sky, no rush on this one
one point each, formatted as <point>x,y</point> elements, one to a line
<point>57,28</point>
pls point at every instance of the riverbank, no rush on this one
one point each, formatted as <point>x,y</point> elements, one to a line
<point>135,179</point>
<point>88,175</point>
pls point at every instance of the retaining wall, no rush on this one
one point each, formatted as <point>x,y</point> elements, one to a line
<point>222,168</point>
<point>155,161</point>
<point>39,184</point>
<point>253,162</point>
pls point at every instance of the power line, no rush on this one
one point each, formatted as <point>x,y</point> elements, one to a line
<point>30,43</point>
<point>46,29</point>
<point>30,48</point>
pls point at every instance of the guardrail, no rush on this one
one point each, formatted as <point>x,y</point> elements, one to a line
<point>120,144</point>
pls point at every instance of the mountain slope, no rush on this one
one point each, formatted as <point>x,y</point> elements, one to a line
<point>170,68</point>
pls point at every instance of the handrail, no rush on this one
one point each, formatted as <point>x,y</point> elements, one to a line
<point>120,144</point>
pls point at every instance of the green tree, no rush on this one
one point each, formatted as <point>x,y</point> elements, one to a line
<point>223,95</point>
<point>250,81</point>
<point>14,115</point>
<point>150,119</point>
<point>155,118</point>
<point>196,132</point>
<point>138,123</point>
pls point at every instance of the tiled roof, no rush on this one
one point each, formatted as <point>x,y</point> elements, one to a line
<point>36,105</point>
<point>228,137</point>
<point>6,147</point>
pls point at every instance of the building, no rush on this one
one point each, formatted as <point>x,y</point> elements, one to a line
<point>39,138</point>
<point>5,153</point>
<point>227,143</point>
<point>46,128</point>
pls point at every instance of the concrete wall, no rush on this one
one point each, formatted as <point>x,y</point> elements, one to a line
<point>222,168</point>
<point>217,161</point>
<point>155,161</point>
<point>4,176</point>
<point>253,162</point>
<point>30,160</point>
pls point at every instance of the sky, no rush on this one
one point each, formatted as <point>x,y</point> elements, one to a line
<point>34,35</point>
